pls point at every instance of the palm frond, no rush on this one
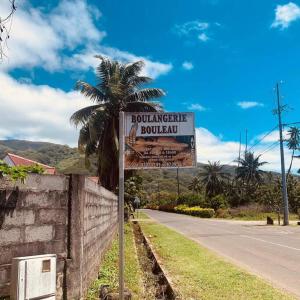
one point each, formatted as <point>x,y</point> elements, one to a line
<point>145,95</point>
<point>141,107</point>
<point>82,115</point>
<point>90,91</point>
<point>132,70</point>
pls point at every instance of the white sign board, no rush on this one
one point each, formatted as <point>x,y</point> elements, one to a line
<point>159,140</point>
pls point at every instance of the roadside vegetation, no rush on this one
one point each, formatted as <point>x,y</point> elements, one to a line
<point>108,273</point>
<point>248,193</point>
<point>197,273</point>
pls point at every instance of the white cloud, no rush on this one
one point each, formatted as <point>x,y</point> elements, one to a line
<point>38,112</point>
<point>197,107</point>
<point>86,60</point>
<point>203,37</point>
<point>196,29</point>
<point>285,14</point>
<point>37,39</point>
<point>249,104</point>
<point>213,148</point>
<point>42,40</point>
<point>187,65</point>
<point>190,27</point>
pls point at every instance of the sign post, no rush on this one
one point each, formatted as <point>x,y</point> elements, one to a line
<point>152,141</point>
<point>121,205</point>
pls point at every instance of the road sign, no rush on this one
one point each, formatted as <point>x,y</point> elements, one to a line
<point>159,140</point>
<point>151,141</point>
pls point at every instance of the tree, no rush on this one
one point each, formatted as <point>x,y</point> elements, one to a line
<point>293,143</point>
<point>270,196</point>
<point>118,89</point>
<point>212,177</point>
<point>248,170</point>
<point>195,186</point>
<point>133,187</point>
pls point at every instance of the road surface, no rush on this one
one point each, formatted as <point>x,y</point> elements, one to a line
<point>272,252</point>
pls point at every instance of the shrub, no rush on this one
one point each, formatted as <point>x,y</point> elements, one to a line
<point>223,213</point>
<point>167,207</point>
<point>191,200</point>
<point>200,212</point>
<point>196,211</point>
<point>180,208</point>
<point>217,202</point>
<point>163,198</point>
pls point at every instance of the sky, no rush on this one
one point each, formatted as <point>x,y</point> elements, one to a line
<point>220,59</point>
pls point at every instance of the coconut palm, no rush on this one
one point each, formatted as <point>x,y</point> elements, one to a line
<point>195,185</point>
<point>248,170</point>
<point>293,143</point>
<point>213,177</point>
<point>118,88</point>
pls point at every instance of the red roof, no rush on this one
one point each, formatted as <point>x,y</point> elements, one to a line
<point>21,161</point>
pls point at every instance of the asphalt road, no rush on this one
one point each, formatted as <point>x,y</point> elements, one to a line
<point>272,252</point>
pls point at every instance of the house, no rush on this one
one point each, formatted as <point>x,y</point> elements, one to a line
<point>16,160</point>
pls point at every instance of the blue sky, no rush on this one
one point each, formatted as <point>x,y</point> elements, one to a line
<point>218,58</point>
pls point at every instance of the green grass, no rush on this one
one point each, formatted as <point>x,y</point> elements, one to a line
<point>262,217</point>
<point>197,273</point>
<point>108,273</point>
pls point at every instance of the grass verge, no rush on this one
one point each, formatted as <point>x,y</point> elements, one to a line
<point>197,273</point>
<point>108,273</point>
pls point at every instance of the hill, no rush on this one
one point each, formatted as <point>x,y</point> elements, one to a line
<point>46,153</point>
<point>166,179</point>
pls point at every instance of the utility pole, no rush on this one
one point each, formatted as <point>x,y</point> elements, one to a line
<point>283,175</point>
<point>178,192</point>
<point>240,149</point>
<point>246,148</point>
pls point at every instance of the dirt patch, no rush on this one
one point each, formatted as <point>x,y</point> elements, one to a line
<point>156,285</point>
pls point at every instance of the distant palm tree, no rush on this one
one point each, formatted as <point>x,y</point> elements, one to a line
<point>293,143</point>
<point>213,177</point>
<point>118,89</point>
<point>195,185</point>
<point>248,170</point>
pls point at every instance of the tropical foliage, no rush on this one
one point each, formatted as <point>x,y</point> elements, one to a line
<point>212,177</point>
<point>249,169</point>
<point>118,88</point>
<point>293,143</point>
<point>18,172</point>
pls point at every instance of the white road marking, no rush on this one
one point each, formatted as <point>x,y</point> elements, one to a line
<point>268,242</point>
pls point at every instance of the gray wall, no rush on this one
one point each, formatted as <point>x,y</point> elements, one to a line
<point>72,217</point>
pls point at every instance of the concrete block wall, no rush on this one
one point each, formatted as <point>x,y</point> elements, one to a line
<point>72,217</point>
<point>33,220</point>
<point>94,223</point>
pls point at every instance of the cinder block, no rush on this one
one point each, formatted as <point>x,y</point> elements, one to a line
<point>10,236</point>
<point>57,216</point>
<point>60,232</point>
<point>38,233</point>
<point>19,218</point>
<point>4,274</point>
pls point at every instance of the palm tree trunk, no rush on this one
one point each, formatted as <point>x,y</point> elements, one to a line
<point>290,167</point>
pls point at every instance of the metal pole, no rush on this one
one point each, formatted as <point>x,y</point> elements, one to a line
<point>246,148</point>
<point>121,206</point>
<point>283,176</point>
<point>240,149</point>
<point>178,191</point>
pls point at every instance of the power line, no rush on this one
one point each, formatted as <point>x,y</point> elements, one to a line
<point>269,148</point>
<point>287,124</point>
<point>261,139</point>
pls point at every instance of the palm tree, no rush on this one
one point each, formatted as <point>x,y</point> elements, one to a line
<point>195,185</point>
<point>212,177</point>
<point>293,143</point>
<point>118,89</point>
<point>248,170</point>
